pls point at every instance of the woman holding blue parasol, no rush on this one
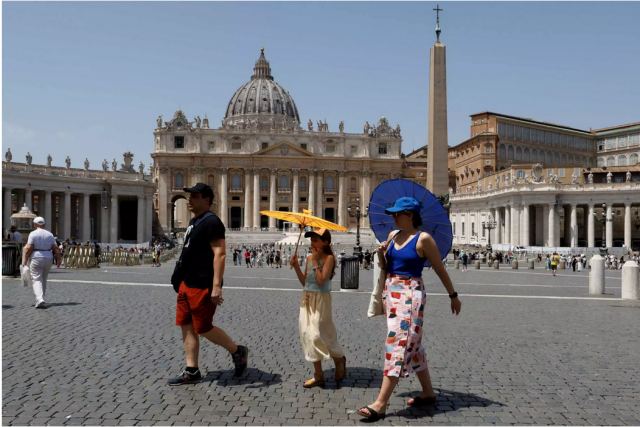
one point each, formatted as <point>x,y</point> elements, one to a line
<point>413,220</point>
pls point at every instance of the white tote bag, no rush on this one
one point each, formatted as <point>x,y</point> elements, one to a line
<point>25,274</point>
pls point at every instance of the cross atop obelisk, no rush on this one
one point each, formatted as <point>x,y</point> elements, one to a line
<point>438,30</point>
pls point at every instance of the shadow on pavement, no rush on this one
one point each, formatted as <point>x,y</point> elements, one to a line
<point>255,378</point>
<point>448,401</point>
<point>57,304</point>
<point>357,377</point>
<point>6,306</point>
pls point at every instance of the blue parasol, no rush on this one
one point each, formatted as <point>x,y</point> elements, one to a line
<point>435,218</point>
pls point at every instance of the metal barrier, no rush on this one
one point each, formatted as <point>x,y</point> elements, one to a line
<point>350,272</point>
<point>11,254</point>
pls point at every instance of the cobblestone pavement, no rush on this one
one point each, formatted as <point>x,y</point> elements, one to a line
<point>528,348</point>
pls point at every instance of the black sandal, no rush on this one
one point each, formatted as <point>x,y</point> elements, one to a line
<point>373,414</point>
<point>419,401</point>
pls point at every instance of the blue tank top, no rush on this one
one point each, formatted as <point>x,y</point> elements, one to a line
<point>406,261</point>
<point>311,285</point>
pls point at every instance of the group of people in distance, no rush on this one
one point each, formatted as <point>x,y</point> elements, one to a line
<point>198,282</point>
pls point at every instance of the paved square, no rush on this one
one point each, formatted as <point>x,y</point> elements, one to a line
<point>527,349</point>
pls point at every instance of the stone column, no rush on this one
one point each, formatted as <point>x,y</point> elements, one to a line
<point>296,193</point>
<point>113,236</point>
<point>342,220</point>
<point>140,218</point>
<point>47,209</point>
<point>507,226</point>
<point>524,229</point>
<point>105,235</point>
<point>627,225</point>
<point>67,215</point>
<point>545,225</point>
<point>552,225</point>
<point>86,220</point>
<point>28,197</point>
<point>148,215</point>
<point>496,231</point>
<point>247,199</point>
<point>320,200</point>
<point>312,191</point>
<point>365,195</point>
<point>515,224</point>
<point>609,230</point>
<point>272,198</point>
<point>164,202</point>
<point>6,210</point>
<point>256,199</point>
<point>224,195</point>
<point>591,235</point>
<point>574,225</point>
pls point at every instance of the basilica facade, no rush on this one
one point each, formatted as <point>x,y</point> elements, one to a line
<point>262,157</point>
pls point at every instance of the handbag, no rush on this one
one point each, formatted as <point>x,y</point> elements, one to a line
<point>25,274</point>
<point>376,307</point>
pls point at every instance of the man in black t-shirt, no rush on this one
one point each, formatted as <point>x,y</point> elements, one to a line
<point>200,288</point>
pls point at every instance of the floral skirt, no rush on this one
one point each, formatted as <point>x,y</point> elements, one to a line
<point>404,301</point>
<point>317,332</point>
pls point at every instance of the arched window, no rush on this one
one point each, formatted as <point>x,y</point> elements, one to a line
<point>302,183</point>
<point>236,182</point>
<point>633,159</point>
<point>211,180</point>
<point>622,160</point>
<point>510,153</point>
<point>611,161</point>
<point>178,180</point>
<point>518,153</point>
<point>353,186</point>
<point>283,182</point>
<point>527,155</point>
<point>601,162</point>
<point>502,153</point>
<point>330,183</point>
<point>264,183</point>
<point>488,148</point>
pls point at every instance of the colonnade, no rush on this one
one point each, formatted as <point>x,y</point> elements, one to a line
<point>551,224</point>
<point>60,212</point>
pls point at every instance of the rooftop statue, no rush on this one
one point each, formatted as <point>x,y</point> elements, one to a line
<point>86,163</point>
<point>49,160</point>
<point>8,156</point>
<point>29,158</point>
<point>67,162</point>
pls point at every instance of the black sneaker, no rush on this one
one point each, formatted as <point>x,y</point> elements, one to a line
<point>240,360</point>
<point>41,305</point>
<point>186,378</point>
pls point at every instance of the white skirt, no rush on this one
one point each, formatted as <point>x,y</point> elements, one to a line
<point>317,332</point>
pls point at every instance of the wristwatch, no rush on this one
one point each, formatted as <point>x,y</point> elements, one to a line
<point>453,295</point>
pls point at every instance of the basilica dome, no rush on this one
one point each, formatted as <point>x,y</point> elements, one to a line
<point>261,101</point>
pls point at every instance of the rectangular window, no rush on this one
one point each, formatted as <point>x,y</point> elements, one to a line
<point>382,148</point>
<point>264,198</point>
<point>212,145</point>
<point>354,150</point>
<point>520,174</point>
<point>483,232</point>
<point>331,148</point>
<point>236,146</point>
<point>473,228</point>
<point>303,146</point>
<point>178,142</point>
<point>561,172</point>
<point>454,228</point>
<point>462,234</point>
<point>264,145</point>
<point>264,183</point>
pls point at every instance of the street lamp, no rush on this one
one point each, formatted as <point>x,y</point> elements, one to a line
<point>602,219</point>
<point>356,211</point>
<point>490,224</point>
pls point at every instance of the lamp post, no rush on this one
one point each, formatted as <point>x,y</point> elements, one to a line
<point>602,219</point>
<point>356,212</point>
<point>490,224</point>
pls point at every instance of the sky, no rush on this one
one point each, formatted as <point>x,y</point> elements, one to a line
<point>89,79</point>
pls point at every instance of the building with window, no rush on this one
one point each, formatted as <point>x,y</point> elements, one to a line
<point>545,185</point>
<point>261,158</point>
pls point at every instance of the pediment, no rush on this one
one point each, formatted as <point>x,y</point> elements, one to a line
<point>284,149</point>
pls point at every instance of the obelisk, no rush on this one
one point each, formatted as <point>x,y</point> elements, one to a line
<point>437,151</point>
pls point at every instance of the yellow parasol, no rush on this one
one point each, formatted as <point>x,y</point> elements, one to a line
<point>305,219</point>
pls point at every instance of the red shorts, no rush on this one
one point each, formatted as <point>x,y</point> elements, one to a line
<point>195,306</point>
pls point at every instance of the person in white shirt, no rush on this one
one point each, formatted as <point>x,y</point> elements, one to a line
<point>40,252</point>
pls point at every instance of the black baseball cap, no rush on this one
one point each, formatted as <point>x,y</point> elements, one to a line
<point>201,188</point>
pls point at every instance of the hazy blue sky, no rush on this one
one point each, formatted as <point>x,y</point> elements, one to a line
<point>89,79</point>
